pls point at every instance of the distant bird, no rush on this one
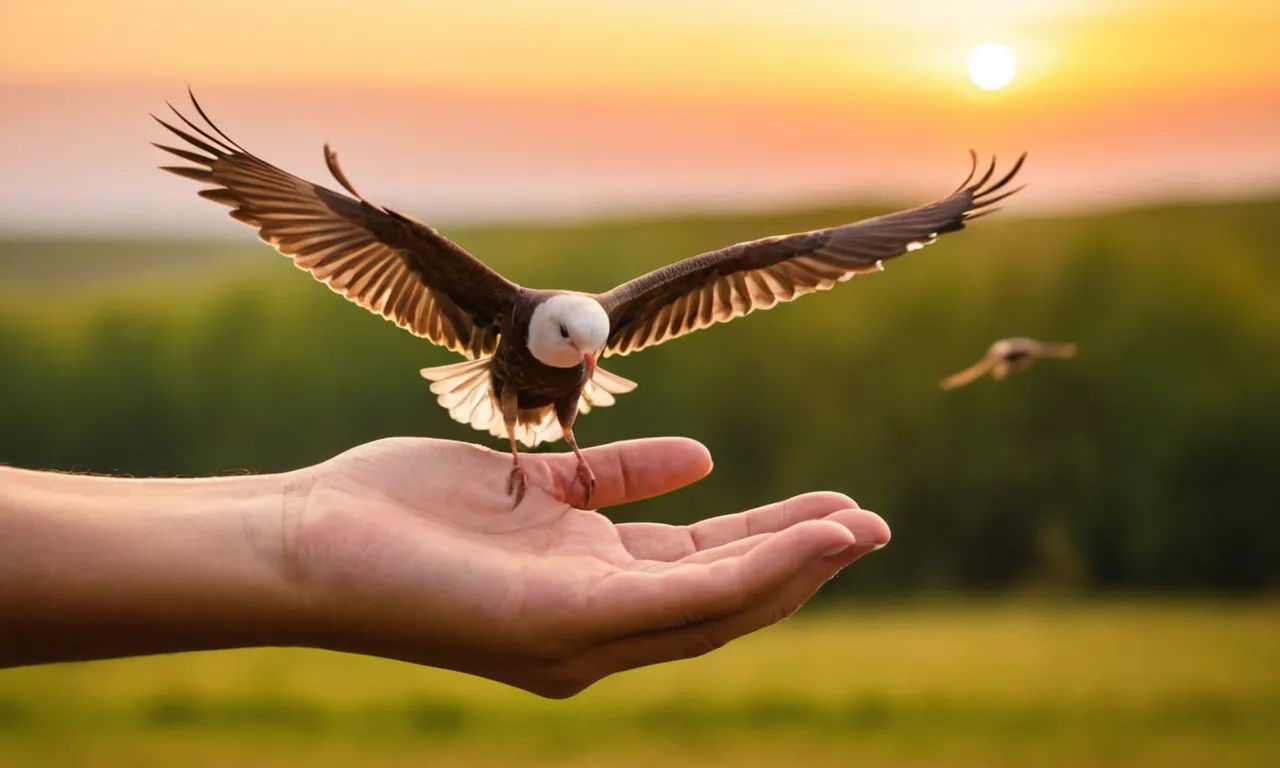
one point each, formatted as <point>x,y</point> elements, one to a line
<point>531,366</point>
<point>1007,356</point>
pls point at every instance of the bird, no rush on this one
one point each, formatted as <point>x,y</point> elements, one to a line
<point>531,356</point>
<point>1008,356</point>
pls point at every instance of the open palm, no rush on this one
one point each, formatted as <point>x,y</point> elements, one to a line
<point>410,549</point>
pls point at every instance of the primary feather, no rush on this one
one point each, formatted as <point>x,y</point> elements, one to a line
<point>733,282</point>
<point>386,262</point>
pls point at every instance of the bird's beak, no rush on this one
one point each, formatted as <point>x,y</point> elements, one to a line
<point>590,359</point>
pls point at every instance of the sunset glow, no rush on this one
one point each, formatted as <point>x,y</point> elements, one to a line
<point>567,104</point>
<point>751,47</point>
<point>992,66</point>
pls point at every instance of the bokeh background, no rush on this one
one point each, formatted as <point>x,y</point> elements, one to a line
<point>1085,557</point>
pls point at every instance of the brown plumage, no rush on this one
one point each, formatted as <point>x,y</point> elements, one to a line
<point>735,281</point>
<point>522,379</point>
<point>1008,356</point>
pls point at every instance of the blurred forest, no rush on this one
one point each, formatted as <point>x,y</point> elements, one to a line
<point>1147,463</point>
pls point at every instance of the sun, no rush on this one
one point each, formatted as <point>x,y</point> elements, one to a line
<point>992,66</point>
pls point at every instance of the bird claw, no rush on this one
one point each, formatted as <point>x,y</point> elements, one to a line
<point>588,480</point>
<point>517,483</point>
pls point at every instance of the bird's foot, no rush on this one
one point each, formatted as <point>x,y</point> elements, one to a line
<point>517,484</point>
<point>588,480</point>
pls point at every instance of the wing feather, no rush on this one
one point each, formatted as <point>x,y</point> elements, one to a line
<point>465,390</point>
<point>722,285</point>
<point>386,262</point>
<point>970,374</point>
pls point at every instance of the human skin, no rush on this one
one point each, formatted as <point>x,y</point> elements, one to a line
<point>408,548</point>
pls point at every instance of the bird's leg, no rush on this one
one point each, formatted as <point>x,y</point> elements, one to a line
<point>585,475</point>
<point>518,481</point>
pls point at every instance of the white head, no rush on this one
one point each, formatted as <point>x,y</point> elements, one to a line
<point>567,329</point>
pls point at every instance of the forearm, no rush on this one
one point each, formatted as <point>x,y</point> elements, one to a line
<point>96,567</point>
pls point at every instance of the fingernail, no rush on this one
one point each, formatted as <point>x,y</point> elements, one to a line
<point>871,528</point>
<point>836,551</point>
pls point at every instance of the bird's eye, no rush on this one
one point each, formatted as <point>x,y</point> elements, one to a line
<point>564,332</point>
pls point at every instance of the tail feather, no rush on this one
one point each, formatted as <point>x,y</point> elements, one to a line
<point>600,391</point>
<point>464,390</point>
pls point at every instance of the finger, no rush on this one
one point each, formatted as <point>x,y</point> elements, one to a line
<point>687,642</point>
<point>858,521</point>
<point>724,551</point>
<point>767,519</point>
<point>732,549</point>
<point>627,471</point>
<point>652,541</point>
<point>636,601</point>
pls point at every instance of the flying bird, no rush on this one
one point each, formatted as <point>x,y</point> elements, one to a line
<point>531,355</point>
<point>1008,356</point>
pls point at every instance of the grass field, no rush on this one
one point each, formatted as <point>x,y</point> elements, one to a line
<point>1169,683</point>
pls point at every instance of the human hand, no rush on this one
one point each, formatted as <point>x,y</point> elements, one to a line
<point>408,549</point>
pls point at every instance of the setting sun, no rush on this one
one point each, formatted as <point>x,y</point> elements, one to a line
<point>992,66</point>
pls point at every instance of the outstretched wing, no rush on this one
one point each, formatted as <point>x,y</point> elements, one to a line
<point>382,260</point>
<point>719,286</point>
<point>970,374</point>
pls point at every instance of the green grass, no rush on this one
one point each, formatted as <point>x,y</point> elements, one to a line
<point>965,684</point>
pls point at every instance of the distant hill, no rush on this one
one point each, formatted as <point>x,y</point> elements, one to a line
<point>87,260</point>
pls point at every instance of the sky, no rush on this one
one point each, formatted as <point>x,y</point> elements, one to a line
<point>486,110</point>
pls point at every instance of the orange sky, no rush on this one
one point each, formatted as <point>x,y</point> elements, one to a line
<point>492,109</point>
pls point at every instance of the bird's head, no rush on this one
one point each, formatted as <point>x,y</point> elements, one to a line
<point>567,330</point>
